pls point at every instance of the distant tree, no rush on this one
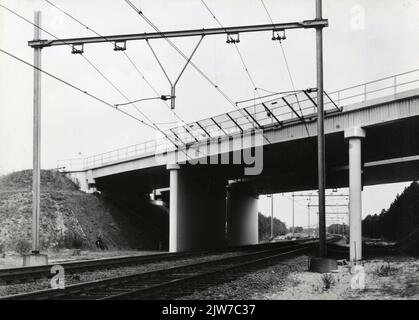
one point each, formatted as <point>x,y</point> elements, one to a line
<point>338,229</point>
<point>264,227</point>
<point>297,229</point>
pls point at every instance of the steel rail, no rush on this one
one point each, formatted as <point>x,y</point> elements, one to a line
<point>27,274</point>
<point>166,286</point>
<point>99,289</point>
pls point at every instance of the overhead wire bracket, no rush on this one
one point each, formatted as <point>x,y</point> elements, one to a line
<point>233,38</point>
<point>120,46</point>
<point>77,48</point>
<point>278,35</point>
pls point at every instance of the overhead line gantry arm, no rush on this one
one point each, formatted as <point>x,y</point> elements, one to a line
<point>317,23</point>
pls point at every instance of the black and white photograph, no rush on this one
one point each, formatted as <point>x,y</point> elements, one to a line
<point>209,158</point>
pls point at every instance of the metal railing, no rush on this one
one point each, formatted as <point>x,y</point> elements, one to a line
<point>382,87</point>
<point>266,112</point>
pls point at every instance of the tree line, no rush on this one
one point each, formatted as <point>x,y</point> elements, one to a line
<point>265,227</point>
<point>399,220</point>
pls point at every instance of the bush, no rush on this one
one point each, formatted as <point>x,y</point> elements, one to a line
<point>327,280</point>
<point>1,247</point>
<point>23,246</point>
<point>385,270</point>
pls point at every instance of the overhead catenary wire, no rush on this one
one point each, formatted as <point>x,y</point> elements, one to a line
<point>246,69</point>
<point>286,63</point>
<point>148,21</point>
<point>269,91</point>
<point>152,125</point>
<point>282,48</point>
<point>296,201</point>
<point>206,77</point>
<point>88,94</point>
<point>135,66</point>
<point>67,83</point>
<point>192,64</point>
<point>129,102</point>
<point>54,36</point>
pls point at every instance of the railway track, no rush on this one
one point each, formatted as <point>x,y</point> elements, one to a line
<point>342,252</point>
<point>169,282</point>
<point>27,274</point>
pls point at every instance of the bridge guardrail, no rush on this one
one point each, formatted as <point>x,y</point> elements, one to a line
<point>386,86</point>
<point>260,113</point>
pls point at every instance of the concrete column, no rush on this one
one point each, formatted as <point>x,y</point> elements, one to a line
<point>354,137</point>
<point>173,205</point>
<point>242,216</point>
<point>197,210</point>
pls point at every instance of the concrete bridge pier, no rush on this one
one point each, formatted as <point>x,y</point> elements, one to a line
<point>354,137</point>
<point>242,216</point>
<point>196,210</point>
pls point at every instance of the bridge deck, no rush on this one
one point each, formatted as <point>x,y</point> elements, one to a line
<point>271,112</point>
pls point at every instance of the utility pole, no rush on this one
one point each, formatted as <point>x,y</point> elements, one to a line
<point>308,217</point>
<point>320,132</point>
<point>35,258</point>
<point>36,184</point>
<point>293,206</point>
<point>272,216</point>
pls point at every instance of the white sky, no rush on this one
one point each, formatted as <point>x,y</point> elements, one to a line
<point>74,125</point>
<point>374,199</point>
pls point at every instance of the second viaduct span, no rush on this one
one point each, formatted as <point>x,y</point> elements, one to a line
<point>371,138</point>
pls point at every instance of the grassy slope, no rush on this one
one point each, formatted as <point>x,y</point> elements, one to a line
<point>65,212</point>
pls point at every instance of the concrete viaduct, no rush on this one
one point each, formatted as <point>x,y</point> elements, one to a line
<point>213,199</point>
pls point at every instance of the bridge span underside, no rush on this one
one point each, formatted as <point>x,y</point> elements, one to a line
<point>212,205</point>
<point>390,153</point>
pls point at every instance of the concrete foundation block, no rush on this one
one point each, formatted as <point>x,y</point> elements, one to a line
<point>35,259</point>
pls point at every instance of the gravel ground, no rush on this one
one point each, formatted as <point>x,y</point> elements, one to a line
<point>385,278</point>
<point>255,284</point>
<point>107,273</point>
<point>388,278</point>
